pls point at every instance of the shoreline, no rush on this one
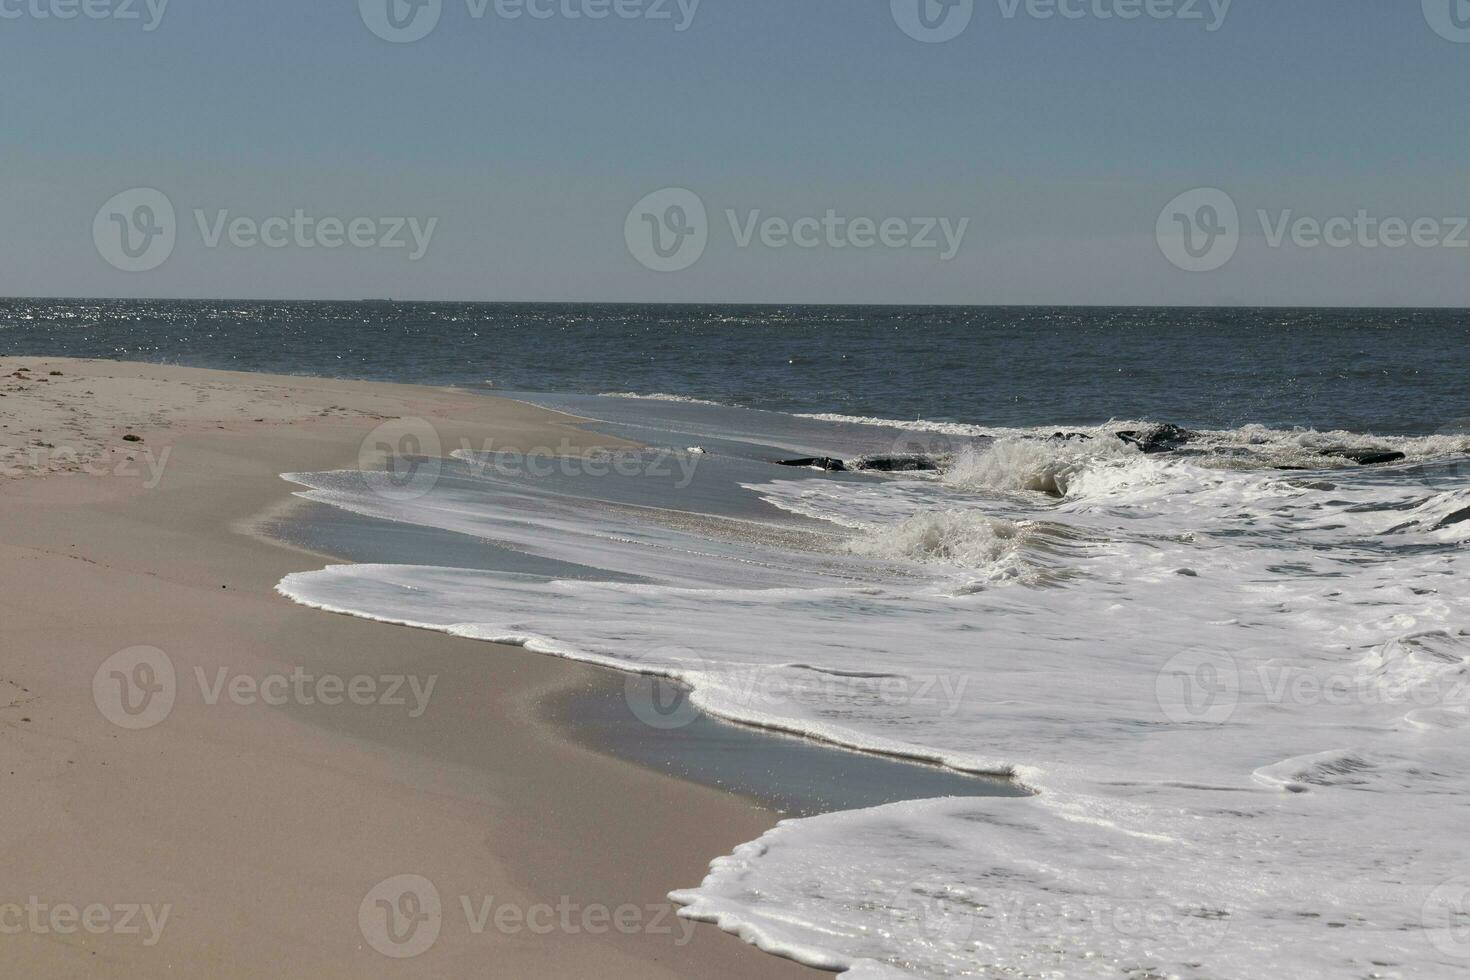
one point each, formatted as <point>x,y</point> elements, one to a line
<point>264,828</point>
<point>790,773</point>
<point>793,775</point>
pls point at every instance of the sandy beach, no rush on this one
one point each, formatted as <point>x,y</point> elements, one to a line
<point>239,837</point>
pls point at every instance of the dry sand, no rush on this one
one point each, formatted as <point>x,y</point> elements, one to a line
<point>259,830</point>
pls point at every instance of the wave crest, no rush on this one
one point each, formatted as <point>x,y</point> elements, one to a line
<point>1049,467</point>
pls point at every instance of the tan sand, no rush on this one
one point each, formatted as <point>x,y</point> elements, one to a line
<point>260,830</point>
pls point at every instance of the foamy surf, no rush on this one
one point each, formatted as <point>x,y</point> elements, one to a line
<point>1239,691</point>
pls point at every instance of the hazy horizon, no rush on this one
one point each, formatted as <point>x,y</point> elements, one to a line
<point>599,302</point>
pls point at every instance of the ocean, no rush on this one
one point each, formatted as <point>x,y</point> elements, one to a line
<point>1230,664</point>
<point>1391,372</point>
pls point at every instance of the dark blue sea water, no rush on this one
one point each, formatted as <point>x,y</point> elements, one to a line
<point>1384,371</point>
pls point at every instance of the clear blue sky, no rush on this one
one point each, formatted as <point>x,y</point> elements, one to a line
<point>530,140</point>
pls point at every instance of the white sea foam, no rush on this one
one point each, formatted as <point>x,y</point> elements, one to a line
<point>1241,695</point>
<point>914,425</point>
<point>658,397</point>
<point>1250,445</point>
<point>1042,466</point>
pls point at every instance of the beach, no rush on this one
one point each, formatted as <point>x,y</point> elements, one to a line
<point>317,677</point>
<point>245,833</point>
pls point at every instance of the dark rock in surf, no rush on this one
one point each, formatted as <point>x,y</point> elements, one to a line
<point>820,462</point>
<point>1458,517</point>
<point>1162,438</point>
<point>903,463</point>
<point>1071,436</point>
<point>911,463</point>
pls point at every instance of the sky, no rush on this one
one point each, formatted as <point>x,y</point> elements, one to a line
<point>1197,152</point>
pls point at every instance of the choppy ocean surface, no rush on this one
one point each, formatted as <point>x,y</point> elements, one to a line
<point>1392,372</point>
<point>1236,675</point>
